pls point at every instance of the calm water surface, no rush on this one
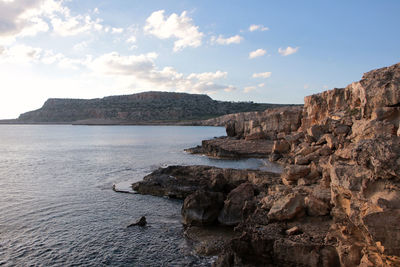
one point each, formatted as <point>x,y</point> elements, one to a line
<point>56,203</point>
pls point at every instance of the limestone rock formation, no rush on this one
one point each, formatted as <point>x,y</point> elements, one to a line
<point>339,190</point>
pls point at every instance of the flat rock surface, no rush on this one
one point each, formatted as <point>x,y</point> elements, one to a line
<point>225,147</point>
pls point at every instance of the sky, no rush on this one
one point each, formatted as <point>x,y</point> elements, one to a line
<point>266,51</point>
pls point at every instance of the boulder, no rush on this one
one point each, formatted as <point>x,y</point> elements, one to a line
<point>287,208</point>
<point>202,208</point>
<point>280,147</point>
<point>316,207</point>
<point>292,173</point>
<point>387,233</point>
<point>141,222</point>
<point>295,230</point>
<point>236,202</point>
<point>316,131</point>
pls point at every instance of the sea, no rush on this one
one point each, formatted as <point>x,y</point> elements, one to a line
<point>57,206</point>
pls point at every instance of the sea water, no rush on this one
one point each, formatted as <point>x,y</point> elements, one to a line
<point>57,206</point>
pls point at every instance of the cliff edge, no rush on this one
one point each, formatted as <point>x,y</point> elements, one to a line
<point>337,202</point>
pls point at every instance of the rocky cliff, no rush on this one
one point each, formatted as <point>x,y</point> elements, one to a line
<point>348,142</point>
<point>148,107</point>
<point>337,202</point>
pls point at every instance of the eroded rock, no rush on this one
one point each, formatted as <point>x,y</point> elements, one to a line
<point>202,208</point>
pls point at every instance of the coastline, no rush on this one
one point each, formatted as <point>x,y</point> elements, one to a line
<point>340,181</point>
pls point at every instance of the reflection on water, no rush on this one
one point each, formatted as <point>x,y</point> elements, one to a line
<point>57,206</point>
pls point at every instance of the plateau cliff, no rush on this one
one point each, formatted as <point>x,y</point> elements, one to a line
<point>142,108</point>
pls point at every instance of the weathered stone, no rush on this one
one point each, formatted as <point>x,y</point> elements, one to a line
<point>387,233</point>
<point>316,131</point>
<point>293,231</point>
<point>301,160</point>
<point>141,222</point>
<point>325,150</point>
<point>181,181</point>
<point>386,113</point>
<point>235,203</point>
<point>349,188</point>
<point>316,207</point>
<point>280,147</point>
<point>287,208</point>
<point>274,157</point>
<point>341,129</point>
<point>294,138</point>
<point>230,128</point>
<point>202,208</point>
<point>292,173</point>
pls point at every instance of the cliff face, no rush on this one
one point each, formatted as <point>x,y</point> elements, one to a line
<point>341,154</point>
<point>137,108</point>
<point>262,124</point>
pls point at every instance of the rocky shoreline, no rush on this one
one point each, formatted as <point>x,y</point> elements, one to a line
<point>337,202</point>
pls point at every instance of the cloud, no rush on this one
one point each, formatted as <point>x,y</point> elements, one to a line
<point>262,75</point>
<point>30,17</point>
<point>20,18</point>
<point>131,40</point>
<point>288,51</point>
<point>257,53</point>
<point>261,85</point>
<point>227,41</point>
<point>21,54</point>
<point>117,30</point>
<point>174,26</point>
<point>140,71</point>
<point>208,76</point>
<point>248,89</point>
<point>81,46</point>
<point>255,27</point>
<point>69,25</point>
<point>115,64</point>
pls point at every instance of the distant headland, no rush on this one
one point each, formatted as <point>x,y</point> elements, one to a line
<point>136,109</point>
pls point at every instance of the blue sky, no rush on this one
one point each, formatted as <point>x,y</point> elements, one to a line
<point>261,51</point>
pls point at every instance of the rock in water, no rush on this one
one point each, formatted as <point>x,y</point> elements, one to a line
<point>141,222</point>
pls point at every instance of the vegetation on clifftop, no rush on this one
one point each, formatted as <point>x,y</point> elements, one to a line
<point>139,108</point>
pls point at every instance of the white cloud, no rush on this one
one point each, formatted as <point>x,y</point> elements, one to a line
<point>117,30</point>
<point>115,64</point>
<point>262,75</point>
<point>140,71</point>
<point>227,41</point>
<point>208,76</point>
<point>131,40</point>
<point>30,17</point>
<point>174,26</point>
<point>80,46</point>
<point>69,25</point>
<point>21,54</point>
<point>255,27</point>
<point>288,51</point>
<point>257,53</point>
<point>261,85</point>
<point>248,89</point>
<point>19,18</point>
